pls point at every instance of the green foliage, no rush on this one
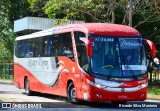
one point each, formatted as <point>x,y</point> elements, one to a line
<point>10,10</point>
<point>146,15</point>
<point>32,3</point>
<point>36,6</point>
<point>155,90</point>
<point>5,54</point>
<point>85,10</point>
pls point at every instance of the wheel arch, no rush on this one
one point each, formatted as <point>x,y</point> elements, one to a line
<point>68,82</point>
<point>25,77</point>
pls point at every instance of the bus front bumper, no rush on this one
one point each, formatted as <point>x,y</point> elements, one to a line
<point>119,96</point>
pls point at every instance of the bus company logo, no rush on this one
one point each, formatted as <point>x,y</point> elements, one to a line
<point>122,89</point>
<point>126,67</point>
<point>128,43</point>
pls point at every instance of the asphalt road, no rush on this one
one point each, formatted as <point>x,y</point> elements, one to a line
<point>12,96</point>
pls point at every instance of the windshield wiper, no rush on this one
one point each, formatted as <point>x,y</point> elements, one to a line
<point>112,71</point>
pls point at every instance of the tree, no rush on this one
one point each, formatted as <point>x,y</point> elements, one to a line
<point>10,10</point>
<point>146,13</point>
<point>86,10</point>
<point>110,11</point>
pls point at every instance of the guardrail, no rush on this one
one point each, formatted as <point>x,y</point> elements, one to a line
<point>6,71</point>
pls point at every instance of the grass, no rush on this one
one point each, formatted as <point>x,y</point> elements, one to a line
<point>7,77</point>
<point>154,90</point>
<point>6,80</point>
<point>5,99</point>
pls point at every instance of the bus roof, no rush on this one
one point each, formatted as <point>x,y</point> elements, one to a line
<point>90,28</point>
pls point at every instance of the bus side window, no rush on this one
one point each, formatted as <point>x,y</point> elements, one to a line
<point>56,45</point>
<point>67,49</point>
<point>22,48</point>
<point>17,48</point>
<point>48,48</point>
<point>44,46</point>
<point>83,58</point>
<point>81,50</point>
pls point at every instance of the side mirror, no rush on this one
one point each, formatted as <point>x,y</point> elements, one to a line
<point>88,45</point>
<point>152,47</point>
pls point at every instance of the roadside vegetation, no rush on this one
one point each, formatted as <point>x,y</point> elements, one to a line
<point>145,15</point>
<point>154,89</point>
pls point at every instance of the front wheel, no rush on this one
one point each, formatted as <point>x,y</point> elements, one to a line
<point>72,93</point>
<point>27,88</point>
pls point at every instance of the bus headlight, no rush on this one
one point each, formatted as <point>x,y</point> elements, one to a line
<point>90,82</point>
<point>143,85</point>
<point>95,84</point>
<point>100,86</point>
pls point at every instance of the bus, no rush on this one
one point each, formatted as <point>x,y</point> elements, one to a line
<point>94,62</point>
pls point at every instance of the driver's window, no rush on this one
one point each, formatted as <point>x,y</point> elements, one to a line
<point>84,58</point>
<point>81,50</point>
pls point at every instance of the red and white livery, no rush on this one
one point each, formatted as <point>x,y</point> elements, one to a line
<point>90,61</point>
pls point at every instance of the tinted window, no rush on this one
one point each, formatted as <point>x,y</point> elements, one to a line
<point>67,49</point>
<point>81,50</point>
<point>55,45</point>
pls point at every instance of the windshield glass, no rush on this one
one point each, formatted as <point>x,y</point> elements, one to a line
<point>105,59</point>
<point>132,56</point>
<point>117,57</point>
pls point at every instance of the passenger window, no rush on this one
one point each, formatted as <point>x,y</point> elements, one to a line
<point>67,49</point>
<point>61,45</point>
<point>48,46</point>
<point>56,45</point>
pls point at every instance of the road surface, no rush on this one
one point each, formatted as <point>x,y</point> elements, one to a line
<point>14,97</point>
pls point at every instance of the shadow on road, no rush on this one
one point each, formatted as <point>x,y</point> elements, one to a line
<point>49,96</point>
<point>6,83</point>
<point>85,104</point>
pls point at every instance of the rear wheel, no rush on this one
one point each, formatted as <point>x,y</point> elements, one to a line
<point>27,87</point>
<point>72,93</point>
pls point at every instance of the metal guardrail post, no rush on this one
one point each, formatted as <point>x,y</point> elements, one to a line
<point>6,70</point>
<point>9,70</point>
<point>1,70</point>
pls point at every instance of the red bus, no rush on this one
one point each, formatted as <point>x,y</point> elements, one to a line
<point>91,61</point>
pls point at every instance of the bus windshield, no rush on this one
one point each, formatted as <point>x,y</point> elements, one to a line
<point>118,57</point>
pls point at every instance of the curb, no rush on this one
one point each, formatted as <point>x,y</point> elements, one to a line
<point>6,82</point>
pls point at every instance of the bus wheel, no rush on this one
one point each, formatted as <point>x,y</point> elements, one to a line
<point>27,87</point>
<point>72,93</point>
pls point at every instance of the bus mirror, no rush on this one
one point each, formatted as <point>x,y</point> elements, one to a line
<point>152,47</point>
<point>88,45</point>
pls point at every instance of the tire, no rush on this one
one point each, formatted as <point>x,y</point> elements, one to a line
<point>72,93</point>
<point>27,88</point>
